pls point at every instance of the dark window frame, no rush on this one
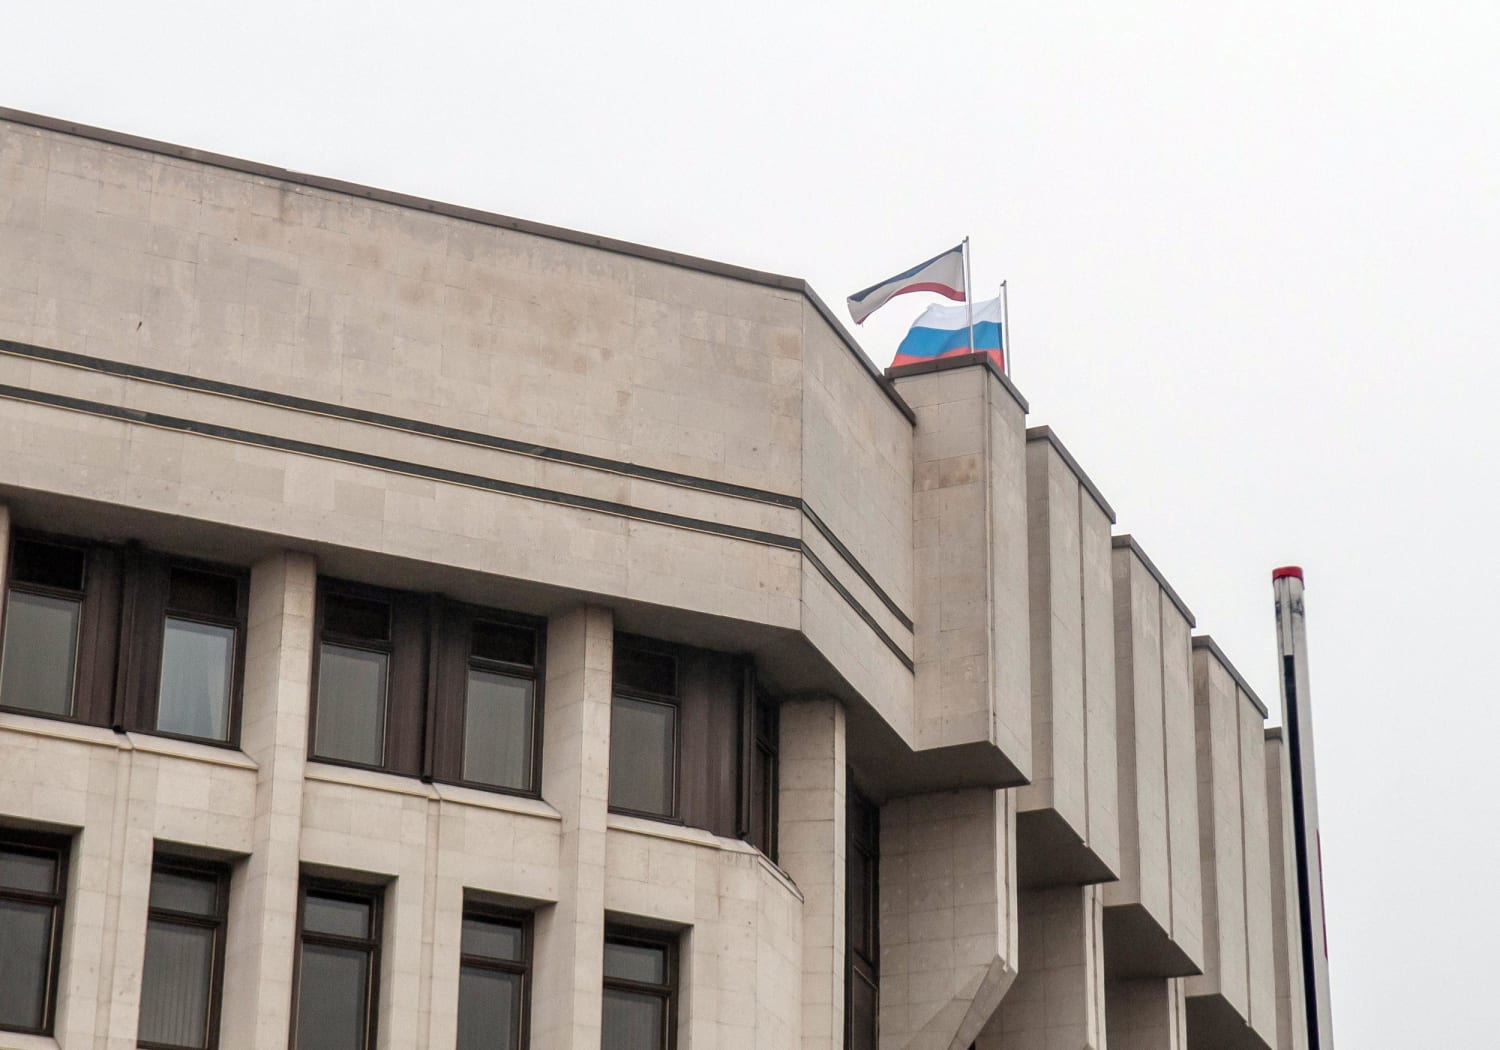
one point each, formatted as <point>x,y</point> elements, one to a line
<point>760,758</point>
<point>374,895</point>
<point>669,991</point>
<point>862,833</point>
<point>148,586</point>
<point>673,700</point>
<point>452,651</point>
<point>219,923</point>
<point>123,607</point>
<point>327,587</point>
<point>96,646</point>
<point>60,846</point>
<point>521,968</point>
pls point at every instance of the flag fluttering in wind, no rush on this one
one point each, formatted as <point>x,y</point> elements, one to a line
<point>943,274</point>
<point>943,331</point>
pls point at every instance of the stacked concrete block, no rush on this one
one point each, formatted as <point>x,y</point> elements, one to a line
<point>1068,825</point>
<point>1232,1003</point>
<point>948,929</point>
<point>1147,1014</point>
<point>1291,1001</point>
<point>1058,999</point>
<point>973,679</point>
<point>1153,916</point>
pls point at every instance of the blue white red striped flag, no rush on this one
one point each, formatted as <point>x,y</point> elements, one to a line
<point>943,331</point>
<point>943,274</point>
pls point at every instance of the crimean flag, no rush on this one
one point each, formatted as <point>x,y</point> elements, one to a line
<point>943,331</point>
<point>943,274</point>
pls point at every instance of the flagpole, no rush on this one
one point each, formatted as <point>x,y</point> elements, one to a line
<point>969,294</point>
<point>1005,324</point>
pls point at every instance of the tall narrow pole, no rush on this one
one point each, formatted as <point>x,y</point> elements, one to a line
<point>1005,325</point>
<point>1296,712</point>
<point>969,293</point>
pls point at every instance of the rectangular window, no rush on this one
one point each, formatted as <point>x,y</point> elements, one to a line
<point>494,976</point>
<point>500,704</point>
<point>33,877</point>
<point>353,673</point>
<point>643,731</point>
<point>44,609</point>
<point>862,923</point>
<point>182,976</point>
<point>197,683</point>
<point>338,967</point>
<point>640,990</point>
<point>764,765</point>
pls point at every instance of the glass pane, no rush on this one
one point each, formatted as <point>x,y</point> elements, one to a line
<point>48,564</point>
<point>26,939</point>
<point>175,983</point>
<point>342,918</point>
<point>635,962</point>
<point>194,894</point>
<point>858,904</point>
<point>497,730</point>
<point>503,641</point>
<point>863,1008</point>
<point>492,938</point>
<point>633,1021</point>
<point>332,998</point>
<point>489,1010</point>
<point>642,749</point>
<point>357,617</point>
<point>23,870</point>
<point>647,671</point>
<point>351,705</point>
<point>206,593</point>
<point>196,662</point>
<point>41,640</point>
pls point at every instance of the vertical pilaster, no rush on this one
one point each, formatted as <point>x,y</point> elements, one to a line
<point>575,780</point>
<point>273,731</point>
<point>814,782</point>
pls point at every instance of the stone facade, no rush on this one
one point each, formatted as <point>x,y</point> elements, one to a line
<point>1078,834</point>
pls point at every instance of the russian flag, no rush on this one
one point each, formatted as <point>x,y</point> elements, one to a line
<point>943,331</point>
<point>943,274</point>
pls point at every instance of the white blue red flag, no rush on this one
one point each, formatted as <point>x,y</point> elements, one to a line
<point>943,274</point>
<point>943,331</point>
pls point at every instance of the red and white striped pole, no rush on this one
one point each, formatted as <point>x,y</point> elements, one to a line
<point>1296,712</point>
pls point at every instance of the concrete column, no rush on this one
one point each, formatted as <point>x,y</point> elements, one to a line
<point>273,731</point>
<point>1057,1001</point>
<point>948,931</point>
<point>814,780</point>
<point>568,992</point>
<point>1146,1013</point>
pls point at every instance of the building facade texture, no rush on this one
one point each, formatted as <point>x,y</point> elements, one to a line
<point>425,629</point>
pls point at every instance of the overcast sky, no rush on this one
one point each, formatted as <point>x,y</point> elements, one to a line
<point>1252,261</point>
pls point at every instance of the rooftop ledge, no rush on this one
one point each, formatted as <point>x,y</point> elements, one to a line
<point>475,215</point>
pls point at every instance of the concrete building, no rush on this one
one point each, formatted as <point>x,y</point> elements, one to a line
<point>424,628</point>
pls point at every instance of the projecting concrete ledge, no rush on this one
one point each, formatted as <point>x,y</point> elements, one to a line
<point>943,364</point>
<point>1128,541</point>
<point>1135,945</point>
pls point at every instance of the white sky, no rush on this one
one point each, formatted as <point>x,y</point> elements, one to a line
<point>1252,259</point>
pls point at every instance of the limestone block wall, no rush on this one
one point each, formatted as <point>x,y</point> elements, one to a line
<point>972,642</point>
<point>1233,1002</point>
<point>948,916</point>
<point>1069,824</point>
<point>1058,999</point>
<point>1146,1013</point>
<point>1154,913</point>
<point>1291,1002</point>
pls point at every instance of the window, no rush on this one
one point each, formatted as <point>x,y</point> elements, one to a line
<point>182,976</point>
<point>487,725</point>
<point>44,610</point>
<point>200,633</point>
<point>862,937</point>
<point>123,637</point>
<point>33,874</point>
<point>353,679</point>
<point>338,967</point>
<point>643,732</point>
<point>684,740</point>
<point>763,765</point>
<point>640,990</point>
<point>493,980</point>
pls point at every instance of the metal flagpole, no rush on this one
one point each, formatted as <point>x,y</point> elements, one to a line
<point>969,293</point>
<point>1005,325</point>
